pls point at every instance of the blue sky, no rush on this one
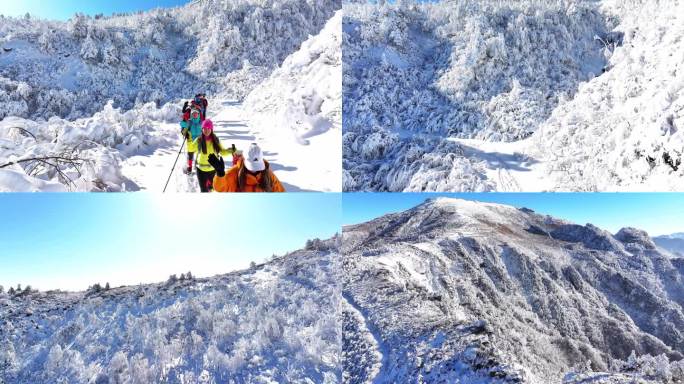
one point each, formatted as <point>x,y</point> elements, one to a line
<point>64,9</point>
<point>70,241</point>
<point>656,213</point>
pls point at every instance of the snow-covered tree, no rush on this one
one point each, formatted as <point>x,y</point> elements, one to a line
<point>90,50</point>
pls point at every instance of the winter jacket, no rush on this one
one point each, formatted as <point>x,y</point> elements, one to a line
<point>203,158</point>
<point>195,129</point>
<point>229,182</point>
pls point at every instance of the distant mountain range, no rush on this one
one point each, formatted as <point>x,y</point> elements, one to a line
<point>673,243</point>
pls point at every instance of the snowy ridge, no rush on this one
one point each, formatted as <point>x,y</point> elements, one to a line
<point>673,243</point>
<point>462,290</point>
<point>276,322</point>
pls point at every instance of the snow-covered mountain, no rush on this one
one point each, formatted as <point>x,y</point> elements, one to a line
<point>513,95</point>
<point>673,242</point>
<point>470,292</point>
<point>276,322</point>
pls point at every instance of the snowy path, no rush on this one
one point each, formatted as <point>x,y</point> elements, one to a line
<point>371,337</point>
<point>510,164</point>
<point>149,171</point>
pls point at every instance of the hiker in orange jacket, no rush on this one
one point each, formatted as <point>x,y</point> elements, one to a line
<point>251,174</point>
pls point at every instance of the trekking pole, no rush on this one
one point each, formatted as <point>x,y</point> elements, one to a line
<point>174,164</point>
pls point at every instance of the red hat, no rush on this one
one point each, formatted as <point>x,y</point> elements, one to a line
<point>208,124</point>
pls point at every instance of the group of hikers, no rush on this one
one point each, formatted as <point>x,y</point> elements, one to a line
<point>249,171</point>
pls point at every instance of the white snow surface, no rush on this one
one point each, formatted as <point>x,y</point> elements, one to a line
<point>582,95</point>
<point>300,109</point>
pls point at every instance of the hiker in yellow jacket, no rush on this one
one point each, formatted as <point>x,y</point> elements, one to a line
<point>208,144</point>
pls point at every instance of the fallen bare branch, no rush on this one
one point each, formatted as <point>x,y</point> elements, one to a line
<point>76,161</point>
<point>25,132</point>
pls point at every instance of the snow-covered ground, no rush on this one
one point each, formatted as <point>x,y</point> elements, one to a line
<point>582,95</point>
<point>295,114</point>
<point>291,163</point>
<point>275,323</point>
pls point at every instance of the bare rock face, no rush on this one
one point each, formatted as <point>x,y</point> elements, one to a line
<point>461,291</point>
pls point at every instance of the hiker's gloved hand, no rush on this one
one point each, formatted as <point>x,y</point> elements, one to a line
<point>218,164</point>
<point>185,133</point>
<point>233,148</point>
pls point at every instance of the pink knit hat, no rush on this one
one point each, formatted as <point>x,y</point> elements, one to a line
<point>208,124</point>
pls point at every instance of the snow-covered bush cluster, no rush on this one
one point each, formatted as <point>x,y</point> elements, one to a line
<point>640,369</point>
<point>276,322</point>
<point>72,69</point>
<point>80,155</point>
<point>490,70</point>
<point>625,128</point>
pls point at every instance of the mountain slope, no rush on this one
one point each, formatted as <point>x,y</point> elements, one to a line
<point>276,322</point>
<point>623,129</point>
<point>460,290</point>
<point>71,69</point>
<point>417,74</point>
<point>513,95</point>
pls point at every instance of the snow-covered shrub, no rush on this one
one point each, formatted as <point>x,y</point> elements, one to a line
<point>98,144</point>
<point>623,129</point>
<point>643,368</point>
<point>303,97</point>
